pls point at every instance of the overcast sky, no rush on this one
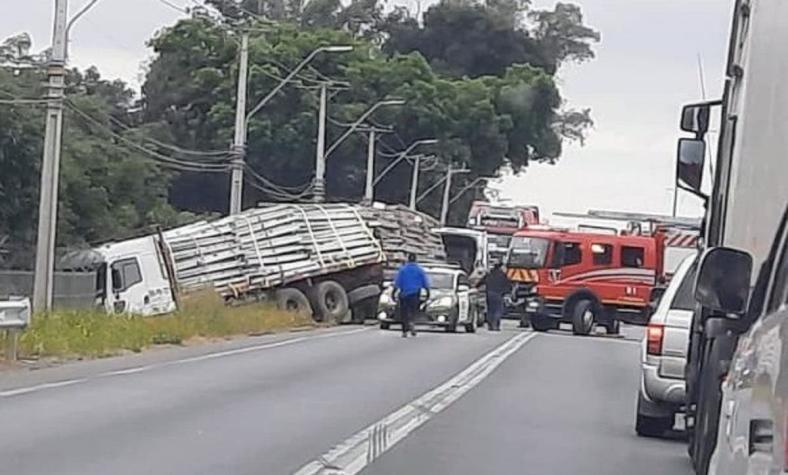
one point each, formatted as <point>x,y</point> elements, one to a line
<point>646,68</point>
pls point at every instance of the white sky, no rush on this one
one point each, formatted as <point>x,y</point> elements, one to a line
<point>646,68</point>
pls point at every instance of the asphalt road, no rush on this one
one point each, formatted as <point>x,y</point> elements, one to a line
<point>488,403</point>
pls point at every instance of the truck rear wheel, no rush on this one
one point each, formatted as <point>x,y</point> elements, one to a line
<point>583,317</point>
<point>293,300</point>
<point>330,301</point>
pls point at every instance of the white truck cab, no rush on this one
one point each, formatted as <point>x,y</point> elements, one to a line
<point>133,278</point>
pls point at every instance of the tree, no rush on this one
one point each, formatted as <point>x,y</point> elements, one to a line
<point>563,35</point>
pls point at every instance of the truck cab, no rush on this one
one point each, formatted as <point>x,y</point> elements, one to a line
<point>584,279</point>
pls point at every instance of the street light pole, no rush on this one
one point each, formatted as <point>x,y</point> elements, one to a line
<point>320,159</point>
<point>402,156</point>
<point>43,284</point>
<point>368,193</point>
<point>239,144</point>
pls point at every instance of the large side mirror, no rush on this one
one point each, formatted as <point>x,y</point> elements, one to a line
<point>689,166</point>
<point>695,118</point>
<point>723,281</point>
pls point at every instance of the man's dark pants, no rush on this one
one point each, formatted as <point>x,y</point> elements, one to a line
<point>495,308</point>
<point>408,307</point>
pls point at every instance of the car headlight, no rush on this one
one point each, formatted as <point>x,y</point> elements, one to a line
<point>442,302</point>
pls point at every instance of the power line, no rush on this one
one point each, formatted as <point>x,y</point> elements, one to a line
<point>174,6</point>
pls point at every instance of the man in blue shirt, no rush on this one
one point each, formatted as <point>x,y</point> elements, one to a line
<point>411,279</point>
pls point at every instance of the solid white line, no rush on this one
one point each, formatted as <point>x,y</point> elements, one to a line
<point>361,449</point>
<point>39,387</point>
<point>193,359</point>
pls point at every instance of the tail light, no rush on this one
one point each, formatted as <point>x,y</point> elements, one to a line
<point>655,333</point>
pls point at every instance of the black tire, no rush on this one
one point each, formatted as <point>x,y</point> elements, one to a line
<point>384,325</point>
<point>613,328</point>
<point>471,326</point>
<point>330,301</point>
<point>364,310</point>
<point>581,325</point>
<point>540,323</point>
<point>293,300</point>
<point>452,326</point>
<point>647,426</point>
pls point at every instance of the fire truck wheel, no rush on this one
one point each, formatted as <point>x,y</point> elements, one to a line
<point>583,317</point>
<point>293,300</point>
<point>613,328</point>
<point>330,301</point>
<point>540,323</point>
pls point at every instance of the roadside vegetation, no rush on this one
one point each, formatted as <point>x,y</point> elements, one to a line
<point>94,334</point>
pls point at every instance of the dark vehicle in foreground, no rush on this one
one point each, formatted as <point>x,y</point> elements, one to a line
<point>452,302</point>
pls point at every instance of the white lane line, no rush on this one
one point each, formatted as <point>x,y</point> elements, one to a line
<point>39,387</point>
<point>362,448</point>
<point>193,359</point>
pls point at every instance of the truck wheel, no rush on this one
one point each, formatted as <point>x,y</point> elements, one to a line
<point>583,317</point>
<point>330,301</point>
<point>646,426</point>
<point>613,328</point>
<point>540,323</point>
<point>293,300</point>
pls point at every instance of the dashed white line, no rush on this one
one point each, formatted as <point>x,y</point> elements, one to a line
<point>193,359</point>
<point>361,449</point>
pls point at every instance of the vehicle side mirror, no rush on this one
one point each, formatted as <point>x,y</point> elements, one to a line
<point>695,118</point>
<point>689,165</point>
<point>723,281</point>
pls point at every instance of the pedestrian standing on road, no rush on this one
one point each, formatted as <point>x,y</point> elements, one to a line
<point>497,285</point>
<point>411,280</point>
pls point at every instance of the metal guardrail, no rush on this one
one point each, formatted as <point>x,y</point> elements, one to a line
<point>14,317</point>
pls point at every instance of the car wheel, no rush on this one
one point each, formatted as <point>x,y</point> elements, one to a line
<point>647,426</point>
<point>385,325</point>
<point>583,317</point>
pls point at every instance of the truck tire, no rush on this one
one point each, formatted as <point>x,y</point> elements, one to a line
<point>583,317</point>
<point>330,301</point>
<point>293,300</point>
<point>540,323</point>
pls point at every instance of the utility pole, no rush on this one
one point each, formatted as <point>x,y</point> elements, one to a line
<point>320,159</point>
<point>414,182</point>
<point>43,285</point>
<point>368,193</point>
<point>447,193</point>
<point>239,143</point>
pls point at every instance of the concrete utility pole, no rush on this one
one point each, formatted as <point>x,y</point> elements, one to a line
<point>414,182</point>
<point>447,191</point>
<point>320,159</point>
<point>401,157</point>
<point>43,285</point>
<point>239,144</point>
<point>368,193</point>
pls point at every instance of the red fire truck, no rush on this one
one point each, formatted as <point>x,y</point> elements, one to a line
<point>584,278</point>
<point>500,222</point>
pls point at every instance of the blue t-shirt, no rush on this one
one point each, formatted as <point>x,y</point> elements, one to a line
<point>411,279</point>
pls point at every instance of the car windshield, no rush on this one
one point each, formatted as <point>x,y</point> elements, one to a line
<point>441,280</point>
<point>528,252</point>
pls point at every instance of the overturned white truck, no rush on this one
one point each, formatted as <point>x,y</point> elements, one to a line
<point>327,260</point>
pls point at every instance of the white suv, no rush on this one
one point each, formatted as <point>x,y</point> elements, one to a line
<point>664,354</point>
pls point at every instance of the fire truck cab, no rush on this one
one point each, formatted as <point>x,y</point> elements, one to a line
<point>583,278</point>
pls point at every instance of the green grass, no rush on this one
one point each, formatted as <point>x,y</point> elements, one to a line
<point>93,334</point>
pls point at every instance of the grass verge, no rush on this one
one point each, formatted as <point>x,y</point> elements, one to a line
<point>94,334</point>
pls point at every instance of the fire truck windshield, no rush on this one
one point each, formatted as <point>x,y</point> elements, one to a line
<point>500,241</point>
<point>528,252</point>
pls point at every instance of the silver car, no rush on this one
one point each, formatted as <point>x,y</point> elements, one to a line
<point>664,355</point>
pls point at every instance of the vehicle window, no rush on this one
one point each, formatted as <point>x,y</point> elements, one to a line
<point>463,280</point>
<point>632,256</point>
<point>603,254</point>
<point>572,253</point>
<point>441,280</point>
<point>685,296</point>
<point>528,252</point>
<point>125,274</point>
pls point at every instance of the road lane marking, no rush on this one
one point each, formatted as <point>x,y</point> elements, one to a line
<point>39,387</point>
<point>361,449</point>
<point>192,359</point>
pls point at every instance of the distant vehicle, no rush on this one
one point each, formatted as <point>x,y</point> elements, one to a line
<point>452,303</point>
<point>753,428</point>
<point>500,222</point>
<point>664,354</point>
<point>584,279</point>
